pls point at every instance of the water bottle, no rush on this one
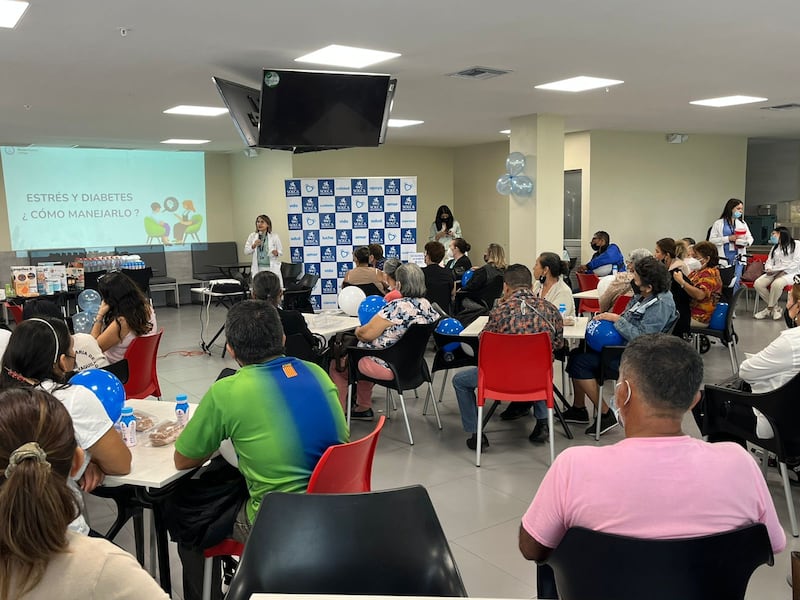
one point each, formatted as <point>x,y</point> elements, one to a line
<point>614,269</point>
<point>181,410</point>
<point>127,426</point>
<point>562,308</point>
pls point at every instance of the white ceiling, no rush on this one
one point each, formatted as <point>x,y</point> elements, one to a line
<point>85,84</point>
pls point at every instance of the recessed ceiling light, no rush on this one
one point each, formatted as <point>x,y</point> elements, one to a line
<point>579,84</point>
<point>727,101</point>
<point>11,12</point>
<point>346,56</point>
<point>180,141</point>
<point>505,131</point>
<point>403,122</point>
<point>196,111</point>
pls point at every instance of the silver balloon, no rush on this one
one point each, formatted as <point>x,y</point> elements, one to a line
<point>504,185</point>
<point>82,322</point>
<point>515,163</point>
<point>522,186</point>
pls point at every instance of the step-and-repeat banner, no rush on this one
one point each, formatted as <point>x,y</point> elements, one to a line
<point>330,217</point>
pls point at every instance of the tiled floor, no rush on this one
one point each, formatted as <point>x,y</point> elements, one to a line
<point>480,509</point>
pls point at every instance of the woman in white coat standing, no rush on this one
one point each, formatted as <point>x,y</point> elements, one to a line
<point>731,235</point>
<point>783,263</point>
<point>265,247</point>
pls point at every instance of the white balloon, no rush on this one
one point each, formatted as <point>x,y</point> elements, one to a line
<point>522,186</point>
<point>515,163</point>
<point>350,299</point>
<point>503,184</point>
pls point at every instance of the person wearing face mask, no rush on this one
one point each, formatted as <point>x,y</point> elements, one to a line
<point>658,482</point>
<point>605,256</point>
<point>731,235</point>
<point>667,252</point>
<point>703,286</point>
<point>548,273</point>
<point>460,263</point>
<point>783,263</point>
<point>444,228</point>
<point>611,287</point>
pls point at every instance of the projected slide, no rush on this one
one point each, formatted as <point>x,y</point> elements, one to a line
<point>68,197</point>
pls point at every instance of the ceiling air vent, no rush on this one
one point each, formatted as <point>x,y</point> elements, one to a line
<point>478,73</point>
<point>790,106</point>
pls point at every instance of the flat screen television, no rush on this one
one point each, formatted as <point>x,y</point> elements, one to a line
<point>243,105</point>
<point>317,110</point>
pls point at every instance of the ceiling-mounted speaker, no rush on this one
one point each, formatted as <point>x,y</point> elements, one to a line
<point>676,138</point>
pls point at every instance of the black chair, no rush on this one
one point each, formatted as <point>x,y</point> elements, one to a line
<point>153,257</point>
<point>727,335</point>
<point>90,279</point>
<point>601,566</point>
<point>61,255</point>
<point>609,371</point>
<point>406,359</point>
<point>290,273</point>
<point>445,360</point>
<point>141,277</point>
<point>212,253</point>
<point>316,544</point>
<point>729,411</point>
<point>120,369</point>
<point>296,345</point>
<point>370,289</point>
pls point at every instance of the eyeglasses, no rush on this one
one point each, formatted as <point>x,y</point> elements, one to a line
<point>72,356</point>
<point>796,280</point>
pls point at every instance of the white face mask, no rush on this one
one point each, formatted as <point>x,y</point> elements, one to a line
<point>617,412</point>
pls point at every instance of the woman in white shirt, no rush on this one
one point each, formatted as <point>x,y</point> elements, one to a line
<point>549,284</point>
<point>265,247</point>
<point>445,229</point>
<point>731,235</point>
<point>783,263</point>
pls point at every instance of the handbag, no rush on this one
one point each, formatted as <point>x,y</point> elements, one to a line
<point>338,349</point>
<point>753,271</point>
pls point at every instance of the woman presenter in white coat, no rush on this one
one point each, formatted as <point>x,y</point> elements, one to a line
<point>265,247</point>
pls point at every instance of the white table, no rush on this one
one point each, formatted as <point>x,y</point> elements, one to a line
<point>227,300</point>
<point>587,295</point>
<point>328,324</point>
<point>571,332</point>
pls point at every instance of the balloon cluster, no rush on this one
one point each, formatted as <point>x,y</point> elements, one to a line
<point>513,181</point>
<point>89,302</point>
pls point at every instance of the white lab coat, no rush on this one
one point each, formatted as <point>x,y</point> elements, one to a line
<point>720,240</point>
<point>272,242</point>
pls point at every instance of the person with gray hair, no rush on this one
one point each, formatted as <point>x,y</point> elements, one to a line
<point>390,266</point>
<point>657,483</point>
<point>384,329</point>
<point>611,287</point>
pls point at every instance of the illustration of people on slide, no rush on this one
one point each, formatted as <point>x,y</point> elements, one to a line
<point>156,208</point>
<point>184,221</point>
<point>187,218</point>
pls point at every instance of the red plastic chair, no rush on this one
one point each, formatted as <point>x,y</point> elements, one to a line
<point>515,368</point>
<point>588,281</point>
<point>620,304</point>
<point>16,311</point>
<point>141,357</point>
<point>342,469</point>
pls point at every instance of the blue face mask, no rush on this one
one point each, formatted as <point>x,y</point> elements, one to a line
<point>773,239</point>
<point>737,214</point>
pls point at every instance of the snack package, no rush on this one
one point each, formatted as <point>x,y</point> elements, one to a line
<point>144,422</point>
<point>166,433</point>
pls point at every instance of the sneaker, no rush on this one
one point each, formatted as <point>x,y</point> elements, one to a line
<point>576,414</point>
<point>540,433</point>
<point>763,314</point>
<point>777,313</point>
<point>607,421</point>
<point>472,442</point>
<point>516,410</point>
<point>362,415</point>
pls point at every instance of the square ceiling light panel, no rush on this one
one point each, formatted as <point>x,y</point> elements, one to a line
<point>346,56</point>
<point>724,101</point>
<point>11,12</point>
<point>581,83</point>
<point>196,111</point>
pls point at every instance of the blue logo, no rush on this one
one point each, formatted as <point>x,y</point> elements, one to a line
<point>408,203</point>
<point>327,221</point>
<point>310,222</point>
<point>408,187</point>
<point>325,187</point>
<point>376,204</point>
<point>360,221</point>
<point>342,203</point>
<point>297,255</point>
<point>328,254</point>
<point>295,222</point>
<point>376,236</point>
<point>391,220</point>
<point>342,268</point>
<point>312,268</point>
<point>292,187</point>
<point>344,237</point>
<point>310,204</point>
<point>329,286</point>
<point>391,236</point>
<point>344,253</point>
<point>316,302</point>
<point>360,204</point>
<point>311,238</point>
<point>392,252</point>
<point>309,188</point>
<point>391,187</point>
<point>408,236</point>
<point>358,187</point>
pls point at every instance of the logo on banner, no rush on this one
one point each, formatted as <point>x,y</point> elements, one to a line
<point>408,236</point>
<point>327,237</point>
<point>328,254</point>
<point>295,222</point>
<point>327,221</point>
<point>358,187</point>
<point>344,237</point>
<point>311,222</point>
<point>325,187</point>
<point>297,255</point>
<point>310,204</point>
<point>391,187</point>
<point>408,203</point>
<point>311,238</point>
<point>392,237</point>
<point>309,188</point>
<point>376,204</point>
<point>391,220</point>
<point>360,221</point>
<point>342,268</point>
<point>343,204</point>
<point>408,187</point>
<point>292,187</point>
<point>316,302</point>
<point>393,252</point>
<point>312,268</point>
<point>328,286</point>
<point>376,236</point>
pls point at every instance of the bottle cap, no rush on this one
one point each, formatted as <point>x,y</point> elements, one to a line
<point>181,398</point>
<point>127,410</point>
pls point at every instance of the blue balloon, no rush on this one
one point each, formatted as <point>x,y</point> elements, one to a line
<point>515,163</point>
<point>369,307</point>
<point>602,333</point>
<point>466,277</point>
<point>89,300</point>
<point>82,322</point>
<point>522,186</point>
<point>106,386</point>
<point>503,185</point>
<point>450,326</point>
<point>719,316</point>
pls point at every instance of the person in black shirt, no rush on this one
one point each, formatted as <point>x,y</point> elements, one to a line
<point>460,263</point>
<point>267,286</point>
<point>439,284</point>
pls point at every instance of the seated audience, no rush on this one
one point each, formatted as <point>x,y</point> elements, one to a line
<point>611,287</point>
<point>605,256</point>
<point>439,284</point>
<point>460,263</point>
<point>483,288</point>
<point>703,286</point>
<point>362,273</point>
<point>690,259</point>
<point>783,263</point>
<point>389,281</point>
<point>519,311</point>
<point>667,252</point>
<point>267,287</point>
<point>376,259</point>
<point>40,354</point>
<point>658,483</point>
<point>41,557</point>
<point>124,314</point>
<point>651,310</point>
<point>280,413</point>
<point>548,272</point>
<point>384,329</point>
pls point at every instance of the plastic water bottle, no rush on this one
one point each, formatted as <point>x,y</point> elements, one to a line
<point>614,269</point>
<point>127,426</point>
<point>181,409</point>
<point>562,308</point>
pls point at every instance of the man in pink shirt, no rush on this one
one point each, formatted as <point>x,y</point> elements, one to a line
<point>658,483</point>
